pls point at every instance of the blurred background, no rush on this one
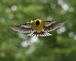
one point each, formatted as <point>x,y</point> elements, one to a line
<point>61,46</point>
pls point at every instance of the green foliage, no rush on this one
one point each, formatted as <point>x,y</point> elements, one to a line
<point>58,47</point>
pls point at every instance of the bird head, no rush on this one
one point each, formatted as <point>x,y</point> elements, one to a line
<point>38,24</point>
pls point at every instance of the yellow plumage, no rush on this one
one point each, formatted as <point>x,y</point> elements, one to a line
<point>38,24</point>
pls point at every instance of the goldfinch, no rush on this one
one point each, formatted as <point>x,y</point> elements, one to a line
<point>38,27</point>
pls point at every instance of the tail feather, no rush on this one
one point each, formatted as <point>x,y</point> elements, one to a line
<point>39,34</point>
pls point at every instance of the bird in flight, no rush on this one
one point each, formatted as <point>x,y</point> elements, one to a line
<point>38,27</point>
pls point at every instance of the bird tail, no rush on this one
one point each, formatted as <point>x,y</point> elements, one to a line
<point>39,34</point>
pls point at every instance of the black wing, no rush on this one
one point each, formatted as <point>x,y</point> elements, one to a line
<point>23,28</point>
<point>52,25</point>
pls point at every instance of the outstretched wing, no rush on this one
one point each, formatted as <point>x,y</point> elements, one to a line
<point>23,28</point>
<point>52,25</point>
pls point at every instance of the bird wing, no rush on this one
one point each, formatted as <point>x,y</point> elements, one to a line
<point>23,28</point>
<point>52,25</point>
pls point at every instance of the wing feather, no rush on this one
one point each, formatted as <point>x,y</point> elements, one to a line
<point>24,28</point>
<point>52,25</point>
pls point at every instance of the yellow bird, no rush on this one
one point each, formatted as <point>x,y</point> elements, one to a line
<point>38,27</point>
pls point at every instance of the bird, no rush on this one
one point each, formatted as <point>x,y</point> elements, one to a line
<point>38,27</point>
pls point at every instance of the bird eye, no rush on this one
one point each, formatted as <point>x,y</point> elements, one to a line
<point>37,22</point>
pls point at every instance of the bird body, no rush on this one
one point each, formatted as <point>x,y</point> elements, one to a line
<point>38,27</point>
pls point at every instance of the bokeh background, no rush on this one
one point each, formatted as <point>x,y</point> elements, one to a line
<point>61,46</point>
